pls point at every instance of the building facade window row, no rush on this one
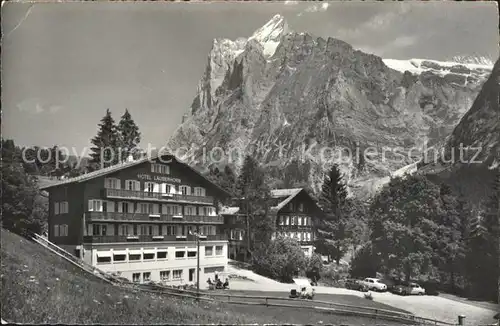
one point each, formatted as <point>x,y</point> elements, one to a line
<point>153,187</point>
<point>294,220</point>
<point>100,205</point>
<point>299,236</point>
<point>108,229</point>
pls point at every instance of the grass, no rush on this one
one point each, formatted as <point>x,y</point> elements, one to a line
<point>40,287</point>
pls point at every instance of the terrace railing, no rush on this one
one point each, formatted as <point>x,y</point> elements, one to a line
<point>140,217</point>
<point>157,196</point>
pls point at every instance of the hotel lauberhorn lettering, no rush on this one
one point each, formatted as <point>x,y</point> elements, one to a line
<point>158,178</point>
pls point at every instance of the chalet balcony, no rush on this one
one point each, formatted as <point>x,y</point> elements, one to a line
<point>157,196</point>
<point>147,238</point>
<point>153,218</point>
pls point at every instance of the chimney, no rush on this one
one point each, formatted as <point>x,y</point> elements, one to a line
<point>184,118</point>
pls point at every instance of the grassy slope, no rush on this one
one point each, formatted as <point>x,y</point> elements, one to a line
<point>40,287</point>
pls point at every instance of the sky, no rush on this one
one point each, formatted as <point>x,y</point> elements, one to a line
<point>64,64</point>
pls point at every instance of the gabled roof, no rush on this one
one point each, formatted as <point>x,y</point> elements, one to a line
<point>123,166</point>
<point>286,195</point>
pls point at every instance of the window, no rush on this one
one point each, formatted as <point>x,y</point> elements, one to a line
<point>132,185</point>
<point>143,208</point>
<point>119,257</point>
<point>191,254</point>
<point>180,254</point>
<point>171,209</point>
<point>282,220</point>
<point>103,258</point>
<point>208,211</point>
<point>218,250</point>
<point>136,277</point>
<point>154,209</point>
<point>160,168</point>
<point>287,220</point>
<point>63,207</point>
<point>169,229</point>
<point>149,256</point>
<point>124,207</point>
<point>209,251</point>
<point>112,183</point>
<point>164,275</point>
<point>199,191</point>
<point>177,274</point>
<point>185,190</point>
<point>56,230</point>
<point>301,207</point>
<point>99,229</point>
<point>63,230</point>
<point>208,230</point>
<point>134,257</point>
<point>162,255</point>
<point>149,186</point>
<point>190,210</point>
<point>95,205</point>
<point>292,220</point>
<point>146,276</point>
<point>300,220</point>
<point>124,229</point>
<point>146,229</point>
<point>56,208</point>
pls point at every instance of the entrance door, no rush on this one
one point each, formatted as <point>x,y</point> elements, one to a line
<point>191,274</point>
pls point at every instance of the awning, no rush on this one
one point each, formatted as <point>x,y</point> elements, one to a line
<point>134,252</point>
<point>103,254</point>
<point>149,251</point>
<point>119,252</point>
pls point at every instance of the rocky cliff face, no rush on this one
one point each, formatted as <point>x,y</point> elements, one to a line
<point>294,99</point>
<point>472,151</point>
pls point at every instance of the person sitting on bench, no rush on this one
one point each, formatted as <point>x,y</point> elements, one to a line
<point>226,284</point>
<point>209,281</point>
<point>219,284</point>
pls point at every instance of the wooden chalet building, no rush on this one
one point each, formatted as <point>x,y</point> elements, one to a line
<point>135,218</point>
<point>294,210</point>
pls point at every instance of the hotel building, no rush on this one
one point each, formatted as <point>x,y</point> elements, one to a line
<point>136,219</point>
<point>294,210</point>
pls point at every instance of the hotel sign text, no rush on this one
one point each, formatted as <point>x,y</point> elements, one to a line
<point>158,178</point>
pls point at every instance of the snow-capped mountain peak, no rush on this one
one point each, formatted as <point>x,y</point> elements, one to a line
<point>269,35</point>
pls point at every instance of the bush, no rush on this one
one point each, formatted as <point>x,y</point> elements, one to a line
<point>314,267</point>
<point>281,260</point>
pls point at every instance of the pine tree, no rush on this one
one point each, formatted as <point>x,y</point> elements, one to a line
<point>129,137</point>
<point>332,228</point>
<point>255,202</point>
<point>105,153</point>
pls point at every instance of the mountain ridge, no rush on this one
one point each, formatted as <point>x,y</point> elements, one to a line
<point>309,90</point>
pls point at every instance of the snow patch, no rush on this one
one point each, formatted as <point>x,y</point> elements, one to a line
<point>269,35</point>
<point>417,66</point>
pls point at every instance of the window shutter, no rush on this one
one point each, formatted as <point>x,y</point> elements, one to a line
<point>118,184</point>
<point>56,230</point>
<point>110,206</point>
<point>130,207</point>
<point>120,207</point>
<point>56,208</point>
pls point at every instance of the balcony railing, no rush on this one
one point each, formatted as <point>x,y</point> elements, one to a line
<point>157,196</point>
<point>147,238</point>
<point>140,217</point>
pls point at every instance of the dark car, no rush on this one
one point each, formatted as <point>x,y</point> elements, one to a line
<point>353,284</point>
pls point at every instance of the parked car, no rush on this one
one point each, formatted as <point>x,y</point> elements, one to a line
<point>409,289</point>
<point>353,284</point>
<point>374,284</point>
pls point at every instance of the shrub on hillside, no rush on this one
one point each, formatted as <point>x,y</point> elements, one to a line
<point>281,260</point>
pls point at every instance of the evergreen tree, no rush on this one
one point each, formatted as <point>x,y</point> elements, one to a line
<point>255,202</point>
<point>22,209</point>
<point>332,228</point>
<point>105,153</point>
<point>129,137</point>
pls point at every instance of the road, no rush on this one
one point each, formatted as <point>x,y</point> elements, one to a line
<point>433,307</point>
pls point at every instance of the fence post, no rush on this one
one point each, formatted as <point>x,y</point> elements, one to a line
<point>376,316</point>
<point>266,302</point>
<point>461,320</point>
